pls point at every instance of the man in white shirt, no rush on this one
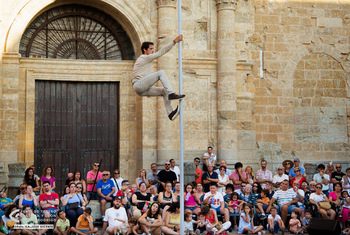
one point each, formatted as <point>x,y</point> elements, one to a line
<point>209,158</point>
<point>115,218</point>
<point>175,169</point>
<point>300,195</point>
<point>263,175</point>
<point>277,179</point>
<point>322,177</point>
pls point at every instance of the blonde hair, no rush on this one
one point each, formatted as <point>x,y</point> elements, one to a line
<point>251,168</point>
<point>141,171</point>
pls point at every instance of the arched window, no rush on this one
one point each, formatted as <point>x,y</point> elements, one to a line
<point>76,32</point>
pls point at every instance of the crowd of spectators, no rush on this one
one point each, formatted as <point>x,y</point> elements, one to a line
<point>217,201</point>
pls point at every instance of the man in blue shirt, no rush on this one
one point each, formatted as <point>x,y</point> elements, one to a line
<point>105,189</point>
<point>296,164</point>
<point>4,203</point>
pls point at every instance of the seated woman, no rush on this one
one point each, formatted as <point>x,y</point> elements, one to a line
<point>191,199</point>
<point>8,222</point>
<point>167,197</point>
<point>79,190</point>
<point>154,191</point>
<point>298,177</point>
<point>151,221</point>
<point>319,196</point>
<point>172,219</point>
<point>77,179</point>
<point>74,204</point>
<point>142,178</point>
<point>28,198</point>
<point>141,200</point>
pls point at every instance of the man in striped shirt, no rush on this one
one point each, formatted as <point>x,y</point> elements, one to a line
<point>286,200</point>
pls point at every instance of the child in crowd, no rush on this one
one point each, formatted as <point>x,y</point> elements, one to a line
<point>202,224</point>
<point>188,223</point>
<point>30,219</point>
<point>345,201</point>
<point>275,223</point>
<point>134,226</point>
<point>294,223</point>
<point>246,223</point>
<point>85,223</point>
<point>247,192</point>
<point>62,225</point>
<point>235,206</point>
<point>306,219</point>
<point>263,203</point>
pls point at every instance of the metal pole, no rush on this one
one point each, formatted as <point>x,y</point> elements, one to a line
<point>182,169</point>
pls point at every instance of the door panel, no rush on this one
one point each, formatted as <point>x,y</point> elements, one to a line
<point>76,124</point>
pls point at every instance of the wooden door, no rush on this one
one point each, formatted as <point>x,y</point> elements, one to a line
<point>76,124</point>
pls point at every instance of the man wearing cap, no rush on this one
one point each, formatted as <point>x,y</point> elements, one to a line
<point>277,179</point>
<point>116,219</point>
<point>296,164</point>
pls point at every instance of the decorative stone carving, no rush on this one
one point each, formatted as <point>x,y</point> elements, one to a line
<point>166,3</point>
<point>225,4</point>
<point>16,175</point>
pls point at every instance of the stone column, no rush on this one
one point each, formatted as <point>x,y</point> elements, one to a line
<point>226,81</point>
<point>167,131</point>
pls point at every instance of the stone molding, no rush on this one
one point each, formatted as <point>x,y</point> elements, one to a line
<point>166,3</point>
<point>225,5</point>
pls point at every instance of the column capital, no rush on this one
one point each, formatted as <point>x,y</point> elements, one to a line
<point>166,3</point>
<point>225,4</point>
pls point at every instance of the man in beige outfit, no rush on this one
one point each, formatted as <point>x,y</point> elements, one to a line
<point>143,80</point>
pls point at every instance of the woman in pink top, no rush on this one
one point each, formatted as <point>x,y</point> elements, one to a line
<point>334,197</point>
<point>191,199</point>
<point>48,176</point>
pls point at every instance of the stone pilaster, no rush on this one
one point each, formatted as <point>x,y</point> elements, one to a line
<point>9,110</point>
<point>167,131</point>
<point>226,89</point>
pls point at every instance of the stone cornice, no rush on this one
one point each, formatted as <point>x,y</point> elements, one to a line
<point>225,4</point>
<point>166,3</point>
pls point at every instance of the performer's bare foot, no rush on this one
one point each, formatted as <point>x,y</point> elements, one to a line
<point>173,115</point>
<point>174,96</point>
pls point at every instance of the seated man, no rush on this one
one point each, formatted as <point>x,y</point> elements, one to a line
<point>216,201</point>
<point>105,189</point>
<point>85,223</point>
<point>116,219</point>
<point>4,203</point>
<point>48,202</point>
<point>209,177</point>
<point>285,200</point>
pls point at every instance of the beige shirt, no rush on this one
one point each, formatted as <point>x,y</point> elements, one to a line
<point>143,64</point>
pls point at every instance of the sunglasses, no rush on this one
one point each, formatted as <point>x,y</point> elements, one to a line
<point>222,169</point>
<point>167,164</point>
<point>198,161</point>
<point>79,187</point>
<point>318,187</point>
<point>338,167</point>
<point>116,173</point>
<point>96,165</point>
<point>280,169</point>
<point>297,171</point>
<point>105,174</point>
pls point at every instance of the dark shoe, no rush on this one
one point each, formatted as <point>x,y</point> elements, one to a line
<point>172,116</point>
<point>174,96</point>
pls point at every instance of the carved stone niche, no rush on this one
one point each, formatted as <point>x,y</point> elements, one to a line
<point>16,176</point>
<point>166,3</point>
<point>225,4</point>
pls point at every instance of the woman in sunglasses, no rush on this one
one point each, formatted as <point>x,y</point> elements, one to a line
<point>79,190</point>
<point>298,177</point>
<point>319,196</point>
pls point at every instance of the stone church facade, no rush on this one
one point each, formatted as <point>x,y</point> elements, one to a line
<point>300,108</point>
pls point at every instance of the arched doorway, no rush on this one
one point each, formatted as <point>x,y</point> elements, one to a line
<point>76,121</point>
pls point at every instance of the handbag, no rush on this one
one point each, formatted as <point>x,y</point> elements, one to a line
<point>325,205</point>
<point>73,206</point>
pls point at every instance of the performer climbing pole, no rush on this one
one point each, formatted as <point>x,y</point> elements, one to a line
<point>143,80</point>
